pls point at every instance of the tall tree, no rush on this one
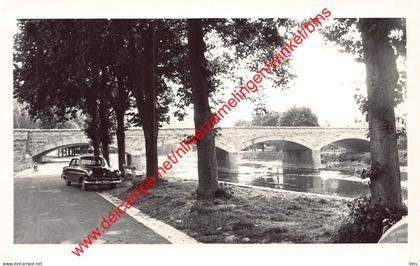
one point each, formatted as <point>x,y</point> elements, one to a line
<point>381,81</point>
<point>93,77</point>
<point>58,70</point>
<point>155,49</point>
<point>378,43</point>
<point>253,40</point>
<point>142,45</point>
<point>145,94</point>
<point>200,87</point>
<point>119,93</point>
<point>43,69</point>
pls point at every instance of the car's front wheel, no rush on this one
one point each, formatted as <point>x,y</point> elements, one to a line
<point>68,183</point>
<point>113,185</point>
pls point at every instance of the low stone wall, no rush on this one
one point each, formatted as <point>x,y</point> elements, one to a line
<point>21,159</point>
<point>20,164</point>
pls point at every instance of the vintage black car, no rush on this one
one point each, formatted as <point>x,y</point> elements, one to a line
<point>90,170</point>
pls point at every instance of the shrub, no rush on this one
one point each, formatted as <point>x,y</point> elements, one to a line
<point>364,224</point>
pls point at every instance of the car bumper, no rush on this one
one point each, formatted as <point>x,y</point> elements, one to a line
<point>101,182</point>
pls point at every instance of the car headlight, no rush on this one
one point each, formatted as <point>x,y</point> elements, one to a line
<point>117,172</point>
<point>89,172</point>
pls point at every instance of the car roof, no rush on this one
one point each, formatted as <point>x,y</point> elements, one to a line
<point>87,157</point>
<point>91,157</point>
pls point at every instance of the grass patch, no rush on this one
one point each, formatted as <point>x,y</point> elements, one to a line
<point>251,216</point>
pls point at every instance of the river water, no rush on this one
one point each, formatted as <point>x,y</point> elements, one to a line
<point>342,183</point>
<point>270,174</point>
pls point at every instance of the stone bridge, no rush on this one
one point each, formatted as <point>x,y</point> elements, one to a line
<point>301,146</point>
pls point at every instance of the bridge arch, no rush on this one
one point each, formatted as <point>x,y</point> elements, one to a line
<point>296,153</point>
<point>353,144</point>
<point>295,141</point>
<point>41,149</point>
<point>226,155</point>
<point>356,136</point>
<point>50,145</point>
<point>37,154</point>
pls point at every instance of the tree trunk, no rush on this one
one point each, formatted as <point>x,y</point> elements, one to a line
<point>95,144</point>
<point>104,128</point>
<point>150,137</point>
<point>120,104</point>
<point>206,149</point>
<point>149,115</point>
<point>92,127</point>
<point>144,89</point>
<point>120,139</point>
<point>381,79</point>
<point>105,151</point>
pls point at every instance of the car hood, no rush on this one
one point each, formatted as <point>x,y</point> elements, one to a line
<point>95,168</point>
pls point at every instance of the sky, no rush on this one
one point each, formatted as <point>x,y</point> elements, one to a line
<point>326,82</point>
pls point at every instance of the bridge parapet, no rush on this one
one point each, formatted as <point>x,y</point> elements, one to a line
<point>310,137</point>
<point>33,142</point>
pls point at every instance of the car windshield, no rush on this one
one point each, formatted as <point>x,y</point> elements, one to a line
<point>91,161</point>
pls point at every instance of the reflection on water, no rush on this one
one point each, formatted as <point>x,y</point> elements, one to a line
<point>319,182</point>
<point>270,174</point>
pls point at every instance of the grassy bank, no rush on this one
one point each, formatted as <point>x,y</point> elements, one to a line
<point>345,160</point>
<point>250,216</point>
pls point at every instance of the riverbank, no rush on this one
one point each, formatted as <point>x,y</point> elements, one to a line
<point>353,160</point>
<point>331,159</point>
<point>250,216</point>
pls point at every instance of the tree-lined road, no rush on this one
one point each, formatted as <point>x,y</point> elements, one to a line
<point>49,212</point>
<point>139,72</point>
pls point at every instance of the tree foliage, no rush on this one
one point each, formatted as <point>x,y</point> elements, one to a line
<point>107,67</point>
<point>299,116</point>
<point>346,33</point>
<point>250,39</point>
<point>294,117</point>
<point>62,66</point>
<point>21,118</point>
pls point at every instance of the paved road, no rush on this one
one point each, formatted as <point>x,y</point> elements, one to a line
<point>46,211</point>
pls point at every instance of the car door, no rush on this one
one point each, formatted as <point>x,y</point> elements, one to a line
<point>66,171</point>
<point>72,171</point>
